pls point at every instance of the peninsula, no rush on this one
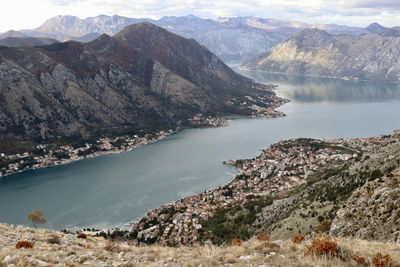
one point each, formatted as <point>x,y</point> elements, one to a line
<point>295,186</point>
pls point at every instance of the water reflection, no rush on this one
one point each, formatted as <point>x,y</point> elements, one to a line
<point>313,89</point>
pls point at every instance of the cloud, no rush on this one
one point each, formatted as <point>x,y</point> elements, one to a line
<point>64,2</point>
<point>350,12</point>
<point>382,4</point>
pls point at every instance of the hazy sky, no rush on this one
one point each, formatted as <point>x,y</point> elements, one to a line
<point>20,14</point>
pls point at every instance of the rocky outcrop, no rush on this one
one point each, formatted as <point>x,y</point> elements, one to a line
<point>358,198</point>
<point>372,212</point>
<point>317,53</point>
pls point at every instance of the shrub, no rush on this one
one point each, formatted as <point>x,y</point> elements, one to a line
<point>36,217</point>
<point>297,239</point>
<point>24,244</point>
<point>380,260</point>
<point>359,260</point>
<point>112,247</point>
<point>82,235</point>
<point>263,237</point>
<point>375,174</point>
<point>54,240</point>
<point>322,246</point>
<point>236,242</point>
<point>324,226</point>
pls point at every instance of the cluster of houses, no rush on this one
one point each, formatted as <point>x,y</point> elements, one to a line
<point>199,120</point>
<point>45,155</point>
<point>284,165</point>
<point>262,107</point>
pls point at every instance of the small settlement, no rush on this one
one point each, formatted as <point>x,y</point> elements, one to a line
<point>282,166</point>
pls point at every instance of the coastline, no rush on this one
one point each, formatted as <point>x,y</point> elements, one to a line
<point>44,156</point>
<point>349,79</point>
<point>131,144</point>
<point>283,166</point>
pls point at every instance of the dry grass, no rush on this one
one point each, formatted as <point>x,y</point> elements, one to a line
<point>297,239</point>
<point>263,237</point>
<point>359,260</point>
<point>322,246</point>
<point>74,251</point>
<point>380,260</point>
<point>236,242</point>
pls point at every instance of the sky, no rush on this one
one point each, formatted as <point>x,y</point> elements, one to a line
<point>28,14</point>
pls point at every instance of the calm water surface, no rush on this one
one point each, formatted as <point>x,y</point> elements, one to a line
<point>113,190</point>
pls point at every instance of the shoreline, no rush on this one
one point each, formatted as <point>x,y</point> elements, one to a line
<point>47,157</point>
<point>140,142</point>
<point>316,76</point>
<point>278,169</point>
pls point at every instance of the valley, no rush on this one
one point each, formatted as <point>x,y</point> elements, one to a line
<point>223,138</point>
<point>113,190</point>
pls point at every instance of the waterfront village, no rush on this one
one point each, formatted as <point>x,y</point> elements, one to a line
<point>44,156</point>
<point>279,168</point>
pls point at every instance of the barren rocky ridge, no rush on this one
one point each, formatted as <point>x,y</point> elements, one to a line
<point>318,53</point>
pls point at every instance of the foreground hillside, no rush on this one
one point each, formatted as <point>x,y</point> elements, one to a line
<point>318,53</point>
<point>51,248</point>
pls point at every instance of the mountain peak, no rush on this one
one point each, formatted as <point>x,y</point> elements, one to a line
<point>312,35</point>
<point>142,28</point>
<point>373,27</point>
<point>376,28</point>
<point>375,24</point>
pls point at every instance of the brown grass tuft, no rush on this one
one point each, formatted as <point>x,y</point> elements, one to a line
<point>263,237</point>
<point>359,260</point>
<point>236,242</point>
<point>380,260</point>
<point>82,235</point>
<point>24,244</point>
<point>112,247</point>
<point>267,247</point>
<point>297,239</point>
<point>322,246</point>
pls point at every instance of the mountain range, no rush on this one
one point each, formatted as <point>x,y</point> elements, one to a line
<point>26,41</point>
<point>231,39</point>
<point>315,52</point>
<point>144,78</point>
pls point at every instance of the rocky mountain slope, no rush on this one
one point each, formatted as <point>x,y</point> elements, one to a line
<point>318,53</point>
<point>372,212</point>
<point>142,79</point>
<point>232,39</point>
<point>26,41</point>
